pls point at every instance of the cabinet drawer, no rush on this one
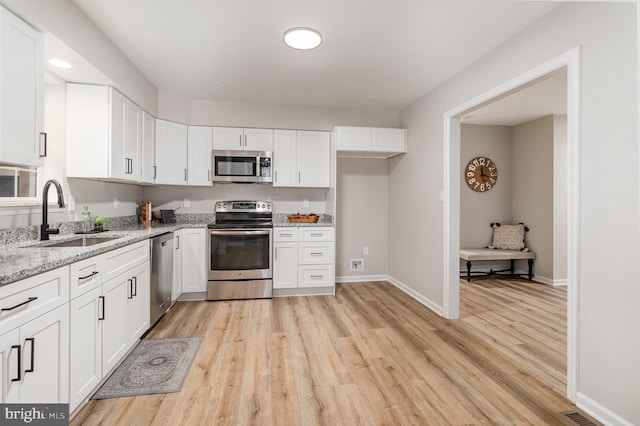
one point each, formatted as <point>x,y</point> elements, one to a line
<point>316,276</point>
<point>86,275</point>
<point>316,234</point>
<point>27,299</point>
<point>315,253</point>
<point>124,258</point>
<point>285,234</point>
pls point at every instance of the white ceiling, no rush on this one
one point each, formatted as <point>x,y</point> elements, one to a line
<point>546,96</point>
<point>375,54</point>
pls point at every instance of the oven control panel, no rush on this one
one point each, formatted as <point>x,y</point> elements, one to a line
<point>243,206</point>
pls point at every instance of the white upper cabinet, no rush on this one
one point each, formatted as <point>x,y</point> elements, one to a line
<point>239,139</point>
<point>313,158</point>
<point>103,134</point>
<point>171,153</point>
<point>200,145</point>
<point>370,142</point>
<point>21,92</point>
<point>388,140</point>
<point>148,155</point>
<point>302,158</point>
<point>284,158</point>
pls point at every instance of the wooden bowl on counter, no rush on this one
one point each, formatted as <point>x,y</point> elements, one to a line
<point>303,218</point>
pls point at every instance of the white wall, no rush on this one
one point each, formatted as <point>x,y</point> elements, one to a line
<point>242,114</point>
<point>608,373</point>
<point>532,196</point>
<point>362,217</point>
<point>479,209</point>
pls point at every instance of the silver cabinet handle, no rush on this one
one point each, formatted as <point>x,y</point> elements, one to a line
<point>316,254</point>
<point>185,175</point>
<point>177,242</point>
<point>276,253</point>
<point>276,176</point>
<point>316,277</point>
<point>154,172</point>
<point>298,177</point>
<point>130,283</point>
<point>240,141</point>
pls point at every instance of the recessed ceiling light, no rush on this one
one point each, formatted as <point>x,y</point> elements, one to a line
<point>302,38</point>
<point>60,63</point>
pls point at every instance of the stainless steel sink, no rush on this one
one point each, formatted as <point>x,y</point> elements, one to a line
<point>83,242</point>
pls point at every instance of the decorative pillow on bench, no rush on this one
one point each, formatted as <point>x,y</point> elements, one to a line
<point>508,237</point>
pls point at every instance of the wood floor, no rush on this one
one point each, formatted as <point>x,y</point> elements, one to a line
<point>371,355</point>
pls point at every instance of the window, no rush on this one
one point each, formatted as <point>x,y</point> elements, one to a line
<point>17,182</point>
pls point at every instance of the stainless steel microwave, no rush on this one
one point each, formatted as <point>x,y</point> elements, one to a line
<point>242,166</point>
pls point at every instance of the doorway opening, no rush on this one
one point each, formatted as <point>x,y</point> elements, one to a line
<point>568,62</point>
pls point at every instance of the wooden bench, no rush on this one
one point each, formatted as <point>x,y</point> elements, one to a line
<point>471,255</point>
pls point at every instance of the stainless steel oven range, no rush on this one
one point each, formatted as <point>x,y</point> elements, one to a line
<point>239,251</point>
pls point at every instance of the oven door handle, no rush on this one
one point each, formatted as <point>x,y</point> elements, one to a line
<point>240,232</point>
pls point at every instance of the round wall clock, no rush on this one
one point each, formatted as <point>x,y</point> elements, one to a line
<point>481,174</point>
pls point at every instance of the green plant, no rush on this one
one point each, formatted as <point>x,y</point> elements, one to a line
<point>99,219</point>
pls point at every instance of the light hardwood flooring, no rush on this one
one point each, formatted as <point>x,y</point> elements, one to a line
<point>371,355</point>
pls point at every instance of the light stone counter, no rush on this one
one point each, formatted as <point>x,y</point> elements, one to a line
<point>27,258</point>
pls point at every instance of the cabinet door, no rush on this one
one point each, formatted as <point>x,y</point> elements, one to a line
<point>118,164</point>
<point>138,303</point>
<point>21,92</point>
<point>85,350</point>
<point>388,140</point>
<point>285,265</point>
<point>200,156</point>
<point>114,332</point>
<point>45,358</point>
<point>258,139</point>
<point>194,277</point>
<point>148,155</point>
<point>171,153</point>
<point>284,158</point>
<point>132,141</point>
<point>9,350</point>
<point>177,265</point>
<point>314,159</point>
<point>228,138</point>
<point>353,138</point>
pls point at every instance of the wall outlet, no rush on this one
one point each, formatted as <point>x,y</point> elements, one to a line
<point>365,251</point>
<point>186,203</point>
<point>305,203</point>
<point>356,265</point>
<point>115,202</point>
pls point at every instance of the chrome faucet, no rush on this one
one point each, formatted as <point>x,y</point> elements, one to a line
<point>44,228</point>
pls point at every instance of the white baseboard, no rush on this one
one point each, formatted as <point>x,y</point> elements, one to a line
<point>361,278</point>
<point>420,298</point>
<point>599,412</point>
<point>405,288</point>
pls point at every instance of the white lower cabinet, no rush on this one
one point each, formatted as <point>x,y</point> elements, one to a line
<point>34,339</point>
<point>304,260</point>
<point>192,254</point>
<point>107,318</point>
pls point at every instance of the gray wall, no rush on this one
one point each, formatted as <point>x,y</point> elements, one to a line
<point>608,373</point>
<point>479,209</point>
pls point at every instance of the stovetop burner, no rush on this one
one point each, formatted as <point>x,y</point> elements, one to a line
<point>242,214</point>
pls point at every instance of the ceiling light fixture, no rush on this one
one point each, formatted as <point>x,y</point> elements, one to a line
<point>302,38</point>
<point>60,63</point>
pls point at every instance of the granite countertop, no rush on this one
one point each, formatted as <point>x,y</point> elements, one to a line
<point>28,258</point>
<point>281,219</point>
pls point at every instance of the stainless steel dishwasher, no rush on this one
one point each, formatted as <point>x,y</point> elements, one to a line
<point>161,275</point>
